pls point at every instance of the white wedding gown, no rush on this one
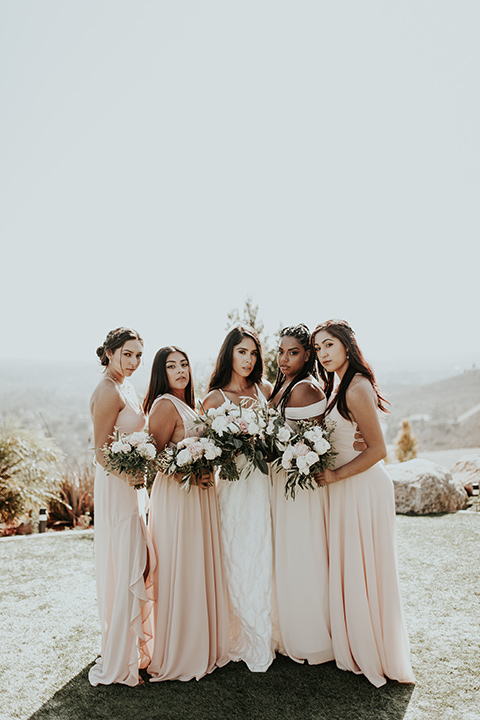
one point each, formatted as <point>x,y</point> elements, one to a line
<point>246,528</point>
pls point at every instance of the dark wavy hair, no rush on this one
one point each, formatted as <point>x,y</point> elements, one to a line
<point>341,330</point>
<point>116,339</point>
<point>159,380</point>
<point>222,373</point>
<point>302,334</point>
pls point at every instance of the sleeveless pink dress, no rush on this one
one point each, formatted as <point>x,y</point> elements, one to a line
<point>191,621</point>
<point>368,630</point>
<point>121,546</point>
<point>300,548</point>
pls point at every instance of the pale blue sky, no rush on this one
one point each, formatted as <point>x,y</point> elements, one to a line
<point>160,161</point>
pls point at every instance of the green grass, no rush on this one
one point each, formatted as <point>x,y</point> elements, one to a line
<point>50,637</point>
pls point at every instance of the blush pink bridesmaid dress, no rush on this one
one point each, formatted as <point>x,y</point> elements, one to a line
<point>122,544</point>
<point>191,617</point>
<point>368,630</point>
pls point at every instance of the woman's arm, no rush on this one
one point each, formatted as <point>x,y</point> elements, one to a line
<point>213,400</point>
<point>361,402</point>
<point>162,423</point>
<point>106,405</point>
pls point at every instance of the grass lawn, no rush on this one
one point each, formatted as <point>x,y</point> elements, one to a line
<point>50,637</point>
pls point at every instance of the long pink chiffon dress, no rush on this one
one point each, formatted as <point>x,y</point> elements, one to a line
<point>368,630</point>
<point>122,544</point>
<point>300,549</point>
<point>191,621</point>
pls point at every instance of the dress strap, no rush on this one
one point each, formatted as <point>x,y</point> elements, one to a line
<point>224,396</point>
<point>306,412</point>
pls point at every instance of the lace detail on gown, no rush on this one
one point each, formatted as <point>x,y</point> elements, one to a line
<point>247,544</point>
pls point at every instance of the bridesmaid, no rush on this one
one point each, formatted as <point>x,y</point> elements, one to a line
<point>302,622</point>
<point>191,625</point>
<point>245,509</point>
<point>368,631</point>
<point>121,539</point>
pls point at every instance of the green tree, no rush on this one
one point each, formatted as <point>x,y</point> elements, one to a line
<point>249,316</point>
<point>30,470</point>
<point>406,443</point>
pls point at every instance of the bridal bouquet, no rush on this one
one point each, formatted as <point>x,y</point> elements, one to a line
<point>192,457</point>
<point>237,430</point>
<point>277,433</point>
<point>133,454</point>
<point>309,452</point>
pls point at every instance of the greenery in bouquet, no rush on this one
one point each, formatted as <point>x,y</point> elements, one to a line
<point>277,433</point>
<point>192,458</point>
<point>308,453</point>
<point>237,430</point>
<point>133,454</point>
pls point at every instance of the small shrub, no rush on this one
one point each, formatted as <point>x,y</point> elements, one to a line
<point>406,444</point>
<point>30,470</point>
<point>73,505</point>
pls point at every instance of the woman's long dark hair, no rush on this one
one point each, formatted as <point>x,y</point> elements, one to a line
<point>222,373</point>
<point>159,380</point>
<point>302,334</point>
<point>341,330</point>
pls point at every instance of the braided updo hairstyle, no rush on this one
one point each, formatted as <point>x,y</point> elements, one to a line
<point>302,334</point>
<point>114,340</point>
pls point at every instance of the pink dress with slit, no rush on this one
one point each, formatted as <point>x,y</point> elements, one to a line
<point>191,621</point>
<point>122,545</point>
<point>368,630</point>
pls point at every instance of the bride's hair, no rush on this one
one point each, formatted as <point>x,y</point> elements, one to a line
<point>159,380</point>
<point>341,330</point>
<point>116,339</point>
<point>222,373</point>
<point>302,334</point>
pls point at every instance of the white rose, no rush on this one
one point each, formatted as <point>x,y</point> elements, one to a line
<point>253,428</point>
<point>150,451</point>
<point>284,433</point>
<point>286,462</point>
<point>303,465</point>
<point>136,438</point>
<point>183,457</point>
<point>125,447</point>
<point>311,458</point>
<point>219,424</point>
<point>321,446</point>
<point>270,428</point>
<point>117,446</point>
<point>212,451</point>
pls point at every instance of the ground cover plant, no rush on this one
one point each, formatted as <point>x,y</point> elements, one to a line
<point>50,637</point>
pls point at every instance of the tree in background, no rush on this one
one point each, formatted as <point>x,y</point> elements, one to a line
<point>406,444</point>
<point>30,470</point>
<point>249,316</point>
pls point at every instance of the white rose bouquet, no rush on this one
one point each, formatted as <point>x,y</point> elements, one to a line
<point>192,457</point>
<point>133,454</point>
<point>309,452</point>
<point>237,430</point>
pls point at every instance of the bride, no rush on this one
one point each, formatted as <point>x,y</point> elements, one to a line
<point>245,516</point>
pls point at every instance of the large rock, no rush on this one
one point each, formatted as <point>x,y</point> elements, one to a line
<point>467,472</point>
<point>424,488</point>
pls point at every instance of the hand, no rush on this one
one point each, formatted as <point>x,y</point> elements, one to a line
<point>206,481</point>
<point>326,477</point>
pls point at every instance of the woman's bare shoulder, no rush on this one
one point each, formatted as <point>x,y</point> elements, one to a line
<point>305,393</point>
<point>213,400</point>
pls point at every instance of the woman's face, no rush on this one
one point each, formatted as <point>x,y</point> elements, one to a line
<point>330,352</point>
<point>125,360</point>
<point>244,357</point>
<point>291,356</point>
<point>178,371</point>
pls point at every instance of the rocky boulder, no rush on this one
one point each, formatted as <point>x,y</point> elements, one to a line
<point>424,488</point>
<point>467,472</point>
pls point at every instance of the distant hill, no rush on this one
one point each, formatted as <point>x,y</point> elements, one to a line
<point>434,410</point>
